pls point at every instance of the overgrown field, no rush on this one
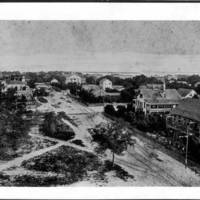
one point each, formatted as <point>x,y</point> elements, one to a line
<point>63,166</point>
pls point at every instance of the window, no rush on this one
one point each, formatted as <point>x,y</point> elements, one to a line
<point>153,106</point>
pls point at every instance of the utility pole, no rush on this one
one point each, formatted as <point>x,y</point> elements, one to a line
<point>186,152</point>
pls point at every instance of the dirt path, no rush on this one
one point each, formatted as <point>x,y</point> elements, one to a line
<point>149,166</point>
<point>19,160</point>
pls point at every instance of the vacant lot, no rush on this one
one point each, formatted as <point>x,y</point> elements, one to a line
<point>29,145</point>
<point>62,166</point>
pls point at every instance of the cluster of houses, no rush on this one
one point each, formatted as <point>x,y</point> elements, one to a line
<point>180,106</point>
<point>181,109</point>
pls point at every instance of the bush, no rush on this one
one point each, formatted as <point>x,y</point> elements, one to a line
<point>57,89</point>
<point>42,99</point>
<point>53,126</point>
<point>109,109</point>
<point>73,164</point>
<point>78,142</point>
<point>30,180</point>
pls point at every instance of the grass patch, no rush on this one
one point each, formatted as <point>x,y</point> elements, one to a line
<point>63,166</point>
<point>29,145</point>
<point>71,165</point>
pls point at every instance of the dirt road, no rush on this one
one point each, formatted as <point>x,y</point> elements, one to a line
<point>149,166</point>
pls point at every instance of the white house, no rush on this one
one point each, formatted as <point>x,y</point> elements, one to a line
<point>186,93</point>
<point>105,83</point>
<point>54,81</point>
<point>157,100</point>
<point>18,83</point>
<point>73,78</point>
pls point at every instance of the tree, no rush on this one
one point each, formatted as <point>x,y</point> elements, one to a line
<point>115,137</point>
<point>121,110</point>
<point>13,127</point>
<point>53,126</point>
<point>90,80</point>
<point>40,92</point>
<point>197,89</point>
<point>127,95</point>
<point>109,109</point>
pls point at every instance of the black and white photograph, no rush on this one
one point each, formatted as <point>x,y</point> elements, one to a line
<point>99,103</point>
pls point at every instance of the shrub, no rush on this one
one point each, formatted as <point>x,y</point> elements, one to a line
<point>31,180</point>
<point>43,100</point>
<point>53,126</point>
<point>109,109</point>
<point>78,142</point>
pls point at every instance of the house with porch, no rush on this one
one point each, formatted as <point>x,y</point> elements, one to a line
<point>156,100</point>
<point>185,117</point>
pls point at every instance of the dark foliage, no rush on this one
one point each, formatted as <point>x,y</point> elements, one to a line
<point>40,92</point>
<point>78,142</point>
<point>41,99</point>
<point>112,136</point>
<point>13,127</point>
<point>53,126</point>
<point>109,109</point>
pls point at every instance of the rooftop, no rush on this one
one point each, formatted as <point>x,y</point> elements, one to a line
<point>188,108</point>
<point>155,96</point>
<point>184,91</point>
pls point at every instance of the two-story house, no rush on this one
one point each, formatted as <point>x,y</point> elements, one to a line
<point>156,100</point>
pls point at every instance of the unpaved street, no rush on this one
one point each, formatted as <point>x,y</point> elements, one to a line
<point>148,165</point>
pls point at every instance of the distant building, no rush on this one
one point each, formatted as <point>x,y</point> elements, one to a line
<point>157,100</point>
<point>54,81</point>
<point>45,86</point>
<point>105,83</point>
<point>19,83</point>
<point>153,86</point>
<point>185,116</point>
<point>186,93</point>
<point>184,82</point>
<point>74,78</point>
<point>119,88</point>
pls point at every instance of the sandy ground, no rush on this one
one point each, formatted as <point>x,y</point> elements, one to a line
<point>149,166</point>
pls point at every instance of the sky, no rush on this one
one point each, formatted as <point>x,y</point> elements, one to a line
<point>118,46</point>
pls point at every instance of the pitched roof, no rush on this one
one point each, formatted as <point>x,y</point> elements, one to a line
<point>188,108</point>
<point>155,96</point>
<point>54,81</point>
<point>90,87</point>
<point>172,94</point>
<point>104,79</point>
<point>15,82</point>
<point>184,91</point>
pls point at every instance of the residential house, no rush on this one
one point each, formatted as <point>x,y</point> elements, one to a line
<point>118,88</point>
<point>74,78</point>
<point>186,93</point>
<point>54,81</point>
<point>105,83</point>
<point>156,100</point>
<point>42,85</point>
<point>98,91</point>
<point>153,86</point>
<point>185,117</point>
<point>19,83</point>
